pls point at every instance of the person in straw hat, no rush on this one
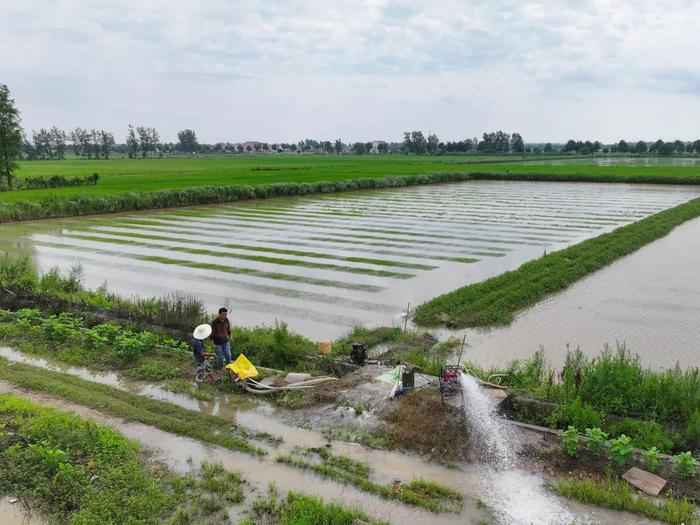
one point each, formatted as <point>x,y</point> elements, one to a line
<point>199,345</point>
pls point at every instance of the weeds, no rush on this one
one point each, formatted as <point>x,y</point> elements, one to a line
<point>618,495</point>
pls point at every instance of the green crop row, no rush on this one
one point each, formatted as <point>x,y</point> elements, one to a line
<point>497,300</point>
<point>193,193</point>
<point>50,207</point>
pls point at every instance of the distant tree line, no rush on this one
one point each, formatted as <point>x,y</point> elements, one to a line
<point>415,143</point>
<point>659,147</point>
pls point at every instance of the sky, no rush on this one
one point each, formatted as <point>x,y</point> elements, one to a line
<point>281,71</point>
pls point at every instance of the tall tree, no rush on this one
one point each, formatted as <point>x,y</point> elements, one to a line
<point>187,140</point>
<point>548,148</point>
<point>432,144</point>
<point>11,136</point>
<point>516,143</point>
<point>106,143</point>
<point>338,145</point>
<point>640,147</point>
<point>623,147</point>
<point>58,141</point>
<point>132,143</point>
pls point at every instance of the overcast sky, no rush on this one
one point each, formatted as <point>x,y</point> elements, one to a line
<point>357,70</point>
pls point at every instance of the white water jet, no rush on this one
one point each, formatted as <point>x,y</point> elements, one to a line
<point>517,497</point>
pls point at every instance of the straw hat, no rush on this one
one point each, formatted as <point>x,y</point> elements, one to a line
<point>202,331</point>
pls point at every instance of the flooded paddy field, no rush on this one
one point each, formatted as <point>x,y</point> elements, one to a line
<point>649,300</point>
<point>618,161</point>
<point>324,263</point>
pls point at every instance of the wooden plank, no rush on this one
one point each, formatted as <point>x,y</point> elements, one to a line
<point>645,481</point>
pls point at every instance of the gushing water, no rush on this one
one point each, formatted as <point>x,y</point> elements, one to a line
<point>517,497</point>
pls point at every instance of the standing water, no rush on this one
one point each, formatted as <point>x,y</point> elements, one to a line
<point>516,497</point>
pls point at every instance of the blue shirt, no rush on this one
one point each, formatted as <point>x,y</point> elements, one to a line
<point>198,349</point>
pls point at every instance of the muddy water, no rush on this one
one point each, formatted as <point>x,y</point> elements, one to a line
<point>15,514</point>
<point>649,300</point>
<point>177,452</point>
<point>297,259</point>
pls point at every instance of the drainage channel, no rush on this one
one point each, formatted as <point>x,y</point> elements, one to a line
<point>514,497</point>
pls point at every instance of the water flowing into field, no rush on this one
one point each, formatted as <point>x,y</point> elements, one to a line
<point>517,497</point>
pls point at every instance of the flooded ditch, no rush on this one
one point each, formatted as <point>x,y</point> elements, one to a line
<point>514,497</point>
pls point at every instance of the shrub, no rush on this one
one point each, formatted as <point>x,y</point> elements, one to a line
<point>651,459</point>
<point>596,440</point>
<point>621,450</point>
<point>684,464</point>
<point>644,434</point>
<point>571,441</point>
<point>578,414</point>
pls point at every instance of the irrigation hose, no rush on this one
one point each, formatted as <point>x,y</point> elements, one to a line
<point>255,387</point>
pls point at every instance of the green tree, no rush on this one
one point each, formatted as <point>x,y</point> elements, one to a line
<point>132,143</point>
<point>641,147</point>
<point>368,147</point>
<point>623,147</point>
<point>338,145</point>
<point>432,145</point>
<point>106,142</point>
<point>696,146</point>
<point>548,148</point>
<point>679,146</point>
<point>359,148</point>
<point>516,143</point>
<point>187,140</point>
<point>11,136</point>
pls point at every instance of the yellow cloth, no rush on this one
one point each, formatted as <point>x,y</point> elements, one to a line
<point>243,368</point>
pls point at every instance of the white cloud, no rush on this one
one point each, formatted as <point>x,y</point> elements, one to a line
<point>284,70</point>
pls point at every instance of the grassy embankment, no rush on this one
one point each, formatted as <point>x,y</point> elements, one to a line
<point>135,185</point>
<point>110,400</point>
<point>619,495</point>
<point>75,471</point>
<point>418,492</point>
<point>613,392</point>
<point>497,300</point>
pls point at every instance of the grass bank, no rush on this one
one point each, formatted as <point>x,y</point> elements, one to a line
<point>301,509</point>
<point>497,300</point>
<point>418,492</point>
<point>612,391</point>
<point>618,495</point>
<point>75,471</point>
<point>132,407</point>
<point>90,204</point>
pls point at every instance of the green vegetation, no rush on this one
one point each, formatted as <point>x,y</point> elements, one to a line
<point>651,459</point>
<point>658,408</point>
<point>618,495</point>
<point>301,509</point>
<point>23,285</point>
<point>110,400</point>
<point>75,471</point>
<point>426,494</point>
<point>162,183</point>
<point>684,464</point>
<point>496,300</point>
<point>621,450</point>
<point>571,441</point>
<point>108,346</point>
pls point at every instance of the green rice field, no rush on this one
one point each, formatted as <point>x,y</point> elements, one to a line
<point>127,175</point>
<point>323,263</point>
